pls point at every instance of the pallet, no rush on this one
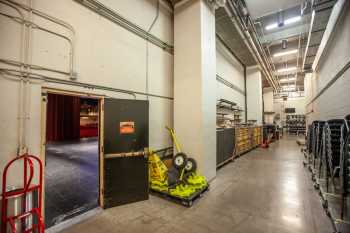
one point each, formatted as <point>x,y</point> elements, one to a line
<point>188,202</point>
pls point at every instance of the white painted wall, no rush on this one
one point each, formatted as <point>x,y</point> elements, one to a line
<point>297,103</point>
<point>334,102</point>
<point>228,68</point>
<point>268,105</point>
<point>268,101</point>
<point>195,83</point>
<point>106,54</point>
<point>254,95</point>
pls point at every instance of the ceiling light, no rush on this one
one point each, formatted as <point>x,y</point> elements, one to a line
<point>286,69</point>
<point>284,80</point>
<point>288,88</point>
<point>271,26</point>
<point>292,20</point>
<point>285,53</point>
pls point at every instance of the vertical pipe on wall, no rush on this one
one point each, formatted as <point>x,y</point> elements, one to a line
<point>245,93</point>
<point>26,92</point>
<point>147,49</point>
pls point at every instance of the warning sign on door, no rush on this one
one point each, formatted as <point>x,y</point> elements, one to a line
<point>127,127</point>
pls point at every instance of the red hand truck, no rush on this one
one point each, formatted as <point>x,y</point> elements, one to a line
<point>26,213</point>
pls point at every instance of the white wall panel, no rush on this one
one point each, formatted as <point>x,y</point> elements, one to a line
<point>334,102</point>
<point>254,95</point>
<point>228,68</point>
<point>105,54</point>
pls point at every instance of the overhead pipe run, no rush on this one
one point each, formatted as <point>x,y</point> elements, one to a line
<point>244,33</point>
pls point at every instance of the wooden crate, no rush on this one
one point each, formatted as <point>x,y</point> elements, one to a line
<point>243,140</point>
<point>247,138</point>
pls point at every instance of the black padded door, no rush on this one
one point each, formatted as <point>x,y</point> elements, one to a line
<point>125,137</point>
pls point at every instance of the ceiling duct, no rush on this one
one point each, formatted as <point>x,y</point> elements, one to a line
<point>246,28</point>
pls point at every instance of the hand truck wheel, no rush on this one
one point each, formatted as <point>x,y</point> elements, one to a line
<point>180,160</point>
<point>191,165</point>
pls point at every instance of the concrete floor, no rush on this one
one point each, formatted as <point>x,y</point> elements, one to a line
<point>71,179</point>
<point>266,190</point>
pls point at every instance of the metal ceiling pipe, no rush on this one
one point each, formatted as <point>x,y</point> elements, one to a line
<point>257,43</point>
<point>248,24</point>
<point>231,11</point>
<point>267,48</point>
<point>267,59</point>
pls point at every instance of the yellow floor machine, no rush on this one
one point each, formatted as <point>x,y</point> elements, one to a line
<point>180,182</point>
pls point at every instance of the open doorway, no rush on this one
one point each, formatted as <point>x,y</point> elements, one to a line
<point>71,157</point>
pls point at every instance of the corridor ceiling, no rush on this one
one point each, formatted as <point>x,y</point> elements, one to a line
<point>299,35</point>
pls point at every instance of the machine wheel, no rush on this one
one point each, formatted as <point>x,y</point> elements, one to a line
<point>191,165</point>
<point>180,160</point>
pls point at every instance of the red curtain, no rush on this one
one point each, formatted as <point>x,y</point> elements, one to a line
<point>63,118</point>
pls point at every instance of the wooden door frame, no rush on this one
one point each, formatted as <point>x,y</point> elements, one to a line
<point>100,99</point>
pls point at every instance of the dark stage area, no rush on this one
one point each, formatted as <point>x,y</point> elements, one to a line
<point>71,179</point>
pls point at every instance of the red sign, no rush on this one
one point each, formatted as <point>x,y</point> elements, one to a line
<point>127,127</point>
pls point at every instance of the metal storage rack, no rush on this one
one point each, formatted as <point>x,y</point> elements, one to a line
<point>228,111</point>
<point>296,124</point>
<point>327,158</point>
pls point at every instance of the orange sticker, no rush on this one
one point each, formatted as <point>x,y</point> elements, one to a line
<point>127,127</point>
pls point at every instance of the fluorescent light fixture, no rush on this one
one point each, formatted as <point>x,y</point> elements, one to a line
<point>288,88</point>
<point>271,26</point>
<point>285,80</point>
<point>286,22</point>
<point>280,54</point>
<point>287,69</point>
<point>292,20</point>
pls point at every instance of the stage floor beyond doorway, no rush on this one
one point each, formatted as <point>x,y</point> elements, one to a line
<point>71,179</point>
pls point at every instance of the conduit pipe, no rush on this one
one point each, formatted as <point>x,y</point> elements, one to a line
<point>52,19</point>
<point>147,47</point>
<point>35,26</point>
<point>231,11</point>
<point>33,67</point>
<point>45,78</point>
<point>113,16</point>
<point>25,61</point>
<point>266,59</point>
<point>21,116</point>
